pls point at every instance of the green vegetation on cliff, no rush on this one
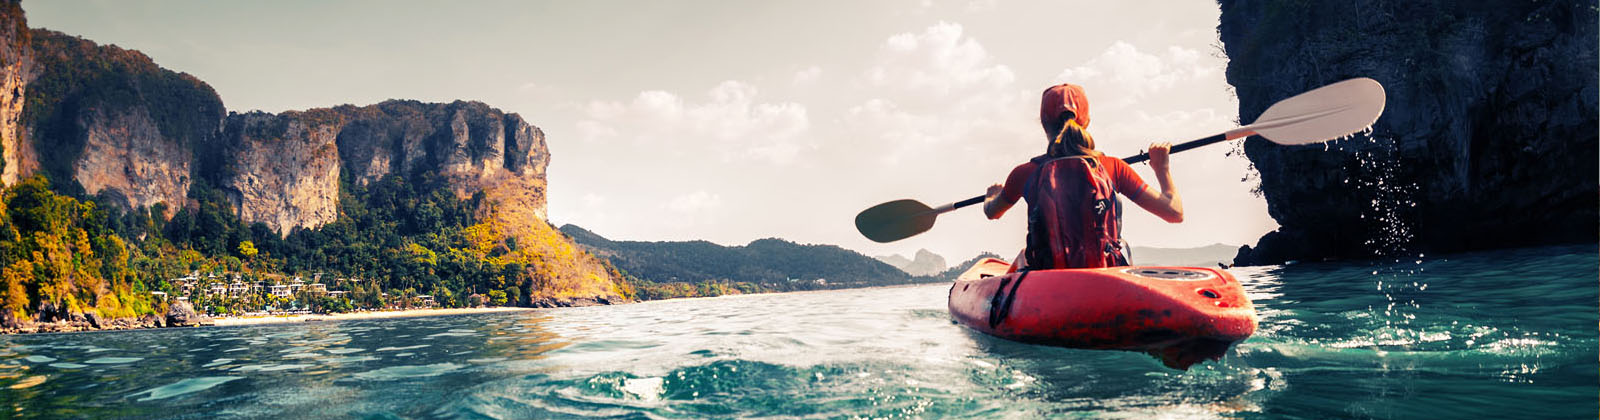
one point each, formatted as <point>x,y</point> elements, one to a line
<point>62,255</point>
<point>406,239</point>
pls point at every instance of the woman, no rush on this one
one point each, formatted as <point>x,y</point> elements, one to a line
<point>1074,218</point>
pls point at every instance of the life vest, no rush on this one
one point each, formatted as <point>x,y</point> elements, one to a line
<point>1074,218</point>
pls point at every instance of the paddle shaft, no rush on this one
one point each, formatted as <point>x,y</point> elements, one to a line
<point>1230,135</point>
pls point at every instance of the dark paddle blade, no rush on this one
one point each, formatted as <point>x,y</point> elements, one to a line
<point>895,220</point>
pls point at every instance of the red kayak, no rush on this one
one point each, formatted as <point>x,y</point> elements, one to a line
<point>1182,315</point>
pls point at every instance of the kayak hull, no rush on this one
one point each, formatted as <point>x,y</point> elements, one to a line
<point>1182,315</point>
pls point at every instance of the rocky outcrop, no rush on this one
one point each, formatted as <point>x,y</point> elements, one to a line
<point>15,60</point>
<point>470,145</point>
<point>110,119</point>
<point>570,302</point>
<point>52,319</point>
<point>180,314</point>
<point>135,134</point>
<point>284,170</point>
<point>126,159</point>
<point>1488,140</point>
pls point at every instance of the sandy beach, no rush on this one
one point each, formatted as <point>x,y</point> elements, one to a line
<point>285,319</point>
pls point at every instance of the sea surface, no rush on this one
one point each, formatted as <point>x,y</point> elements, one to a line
<point>1510,334</point>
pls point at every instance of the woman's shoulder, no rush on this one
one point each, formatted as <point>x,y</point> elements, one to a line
<point>1027,165</point>
<point>1109,160</point>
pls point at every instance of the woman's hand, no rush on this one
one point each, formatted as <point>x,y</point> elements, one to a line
<point>1158,156</point>
<point>1164,203</point>
<point>993,204</point>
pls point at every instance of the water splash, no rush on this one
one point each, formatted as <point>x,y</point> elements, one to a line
<point>1386,217</point>
<point>1388,199</point>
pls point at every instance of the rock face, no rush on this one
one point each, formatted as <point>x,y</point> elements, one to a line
<point>470,145</point>
<point>15,59</point>
<point>136,134</point>
<point>1488,141</point>
<point>107,122</point>
<point>126,158</point>
<point>284,170</point>
<point>109,119</point>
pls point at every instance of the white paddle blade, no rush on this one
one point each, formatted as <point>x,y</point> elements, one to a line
<point>1322,114</point>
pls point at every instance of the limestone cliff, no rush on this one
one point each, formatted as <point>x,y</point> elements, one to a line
<point>1488,141</point>
<point>107,122</point>
<point>126,159</point>
<point>283,170</point>
<point>15,59</point>
<point>111,120</point>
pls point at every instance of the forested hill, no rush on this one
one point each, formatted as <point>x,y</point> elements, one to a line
<point>774,264</point>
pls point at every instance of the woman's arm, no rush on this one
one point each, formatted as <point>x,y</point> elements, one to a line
<point>994,205</point>
<point>1166,204</point>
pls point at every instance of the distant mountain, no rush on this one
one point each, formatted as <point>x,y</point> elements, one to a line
<point>775,264</point>
<point>1206,256</point>
<point>956,270</point>
<point>925,263</point>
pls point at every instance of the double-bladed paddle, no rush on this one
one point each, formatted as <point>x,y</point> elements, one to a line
<point>1316,116</point>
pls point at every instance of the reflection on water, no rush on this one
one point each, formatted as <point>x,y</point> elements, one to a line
<point>1483,335</point>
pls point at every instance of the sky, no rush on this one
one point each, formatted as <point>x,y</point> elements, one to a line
<point>731,121</point>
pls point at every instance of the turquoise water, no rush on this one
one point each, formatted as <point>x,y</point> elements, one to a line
<point>1495,335</point>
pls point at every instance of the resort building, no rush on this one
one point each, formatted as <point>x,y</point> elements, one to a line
<point>186,283</point>
<point>238,289</point>
<point>280,291</point>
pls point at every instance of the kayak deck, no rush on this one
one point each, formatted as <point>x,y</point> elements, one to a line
<point>1182,315</point>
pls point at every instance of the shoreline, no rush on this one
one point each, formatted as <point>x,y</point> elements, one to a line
<point>404,313</point>
<point>80,323</point>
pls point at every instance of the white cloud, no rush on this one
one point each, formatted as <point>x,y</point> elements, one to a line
<point>938,61</point>
<point>1124,75</point>
<point>933,92</point>
<point>730,124</point>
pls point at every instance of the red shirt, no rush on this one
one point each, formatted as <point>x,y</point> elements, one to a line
<point>1122,177</point>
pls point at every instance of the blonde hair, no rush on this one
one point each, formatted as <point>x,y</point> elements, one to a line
<point>1073,140</point>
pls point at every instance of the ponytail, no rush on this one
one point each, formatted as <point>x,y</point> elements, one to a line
<point>1073,140</point>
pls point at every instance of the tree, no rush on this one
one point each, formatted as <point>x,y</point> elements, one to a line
<point>247,249</point>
